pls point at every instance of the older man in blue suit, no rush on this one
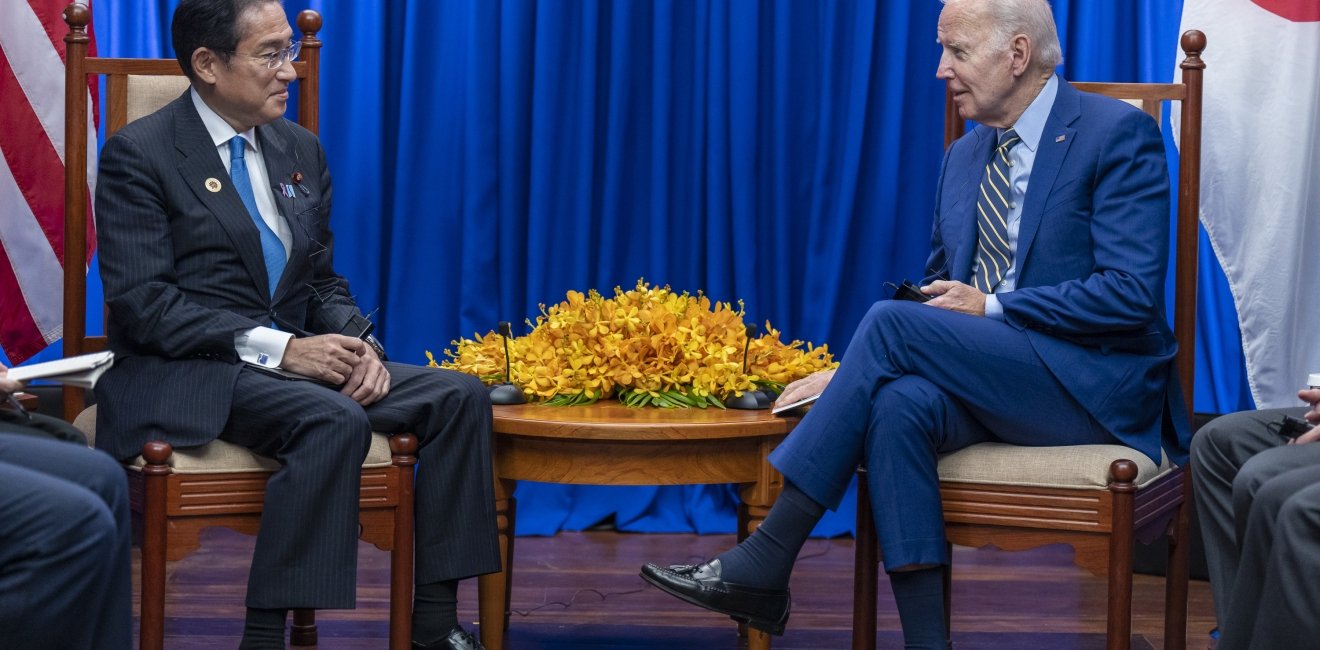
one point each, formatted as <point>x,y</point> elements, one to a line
<point>1045,323</point>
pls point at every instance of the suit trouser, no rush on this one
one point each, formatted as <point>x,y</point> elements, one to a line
<point>306,553</point>
<point>915,382</point>
<point>65,543</point>
<point>1258,501</point>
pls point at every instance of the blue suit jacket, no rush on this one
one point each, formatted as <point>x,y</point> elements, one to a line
<point>1092,252</point>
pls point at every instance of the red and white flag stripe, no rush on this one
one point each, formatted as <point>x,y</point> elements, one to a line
<point>32,173</point>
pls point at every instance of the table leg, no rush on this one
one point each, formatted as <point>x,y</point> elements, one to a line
<point>757,498</point>
<point>493,588</point>
<point>757,640</point>
<point>751,512</point>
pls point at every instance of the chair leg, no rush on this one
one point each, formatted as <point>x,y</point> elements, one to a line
<point>866,570</point>
<point>155,476</point>
<point>1118,630</point>
<point>1119,626</point>
<point>1175,580</point>
<point>947,575</point>
<point>403,448</point>
<point>303,630</point>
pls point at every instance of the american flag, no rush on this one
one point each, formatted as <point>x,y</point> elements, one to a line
<point>32,173</point>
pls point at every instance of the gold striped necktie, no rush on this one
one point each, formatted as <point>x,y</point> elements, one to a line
<point>993,255</point>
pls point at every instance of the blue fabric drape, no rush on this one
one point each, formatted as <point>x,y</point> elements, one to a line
<point>493,155</point>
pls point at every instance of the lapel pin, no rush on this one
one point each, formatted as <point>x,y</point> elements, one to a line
<point>286,190</point>
<point>213,185</point>
<point>297,180</point>
<point>1061,138</point>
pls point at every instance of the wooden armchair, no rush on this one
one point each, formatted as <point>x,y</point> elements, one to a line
<point>1095,498</point>
<point>175,494</point>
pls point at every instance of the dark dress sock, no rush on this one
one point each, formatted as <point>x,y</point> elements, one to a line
<point>264,629</point>
<point>920,598</point>
<point>765,559</point>
<point>435,611</point>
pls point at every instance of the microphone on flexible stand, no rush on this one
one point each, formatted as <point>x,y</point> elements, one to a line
<point>750,399</point>
<point>506,392</point>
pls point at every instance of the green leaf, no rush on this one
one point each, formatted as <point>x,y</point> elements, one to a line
<point>679,398</point>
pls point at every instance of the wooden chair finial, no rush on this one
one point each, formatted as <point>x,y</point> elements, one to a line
<point>309,21</point>
<point>77,15</point>
<point>1193,43</point>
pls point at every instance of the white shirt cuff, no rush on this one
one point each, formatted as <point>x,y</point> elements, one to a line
<point>992,307</point>
<point>262,345</point>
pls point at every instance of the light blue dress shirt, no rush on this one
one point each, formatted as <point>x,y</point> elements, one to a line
<point>1030,126</point>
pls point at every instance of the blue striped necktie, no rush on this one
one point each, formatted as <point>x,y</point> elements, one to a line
<point>993,255</point>
<point>272,249</point>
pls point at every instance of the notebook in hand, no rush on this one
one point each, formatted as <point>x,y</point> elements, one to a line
<point>81,371</point>
<point>788,406</point>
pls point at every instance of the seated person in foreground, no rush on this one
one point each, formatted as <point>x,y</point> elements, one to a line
<point>213,216</point>
<point>1258,499</point>
<point>65,536</point>
<point>1046,326</point>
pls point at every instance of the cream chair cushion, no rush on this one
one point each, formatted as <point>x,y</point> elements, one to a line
<point>1081,466</point>
<point>148,93</point>
<point>219,457</point>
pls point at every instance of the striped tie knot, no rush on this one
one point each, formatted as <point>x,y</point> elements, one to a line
<point>1007,140</point>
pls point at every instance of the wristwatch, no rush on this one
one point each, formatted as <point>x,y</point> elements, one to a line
<point>376,346</point>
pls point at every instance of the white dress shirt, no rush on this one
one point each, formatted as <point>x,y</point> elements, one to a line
<point>263,346</point>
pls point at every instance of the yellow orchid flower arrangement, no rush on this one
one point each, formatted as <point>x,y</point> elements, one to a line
<point>648,346</point>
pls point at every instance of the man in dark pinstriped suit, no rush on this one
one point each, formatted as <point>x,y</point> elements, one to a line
<point>216,255</point>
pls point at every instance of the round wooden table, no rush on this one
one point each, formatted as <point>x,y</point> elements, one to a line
<point>610,444</point>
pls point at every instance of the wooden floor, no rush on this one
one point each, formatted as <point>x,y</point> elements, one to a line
<point>581,590</point>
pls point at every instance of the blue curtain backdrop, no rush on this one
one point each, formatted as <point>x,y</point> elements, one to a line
<point>490,156</point>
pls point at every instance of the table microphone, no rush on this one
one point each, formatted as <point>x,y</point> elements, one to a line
<point>750,399</point>
<point>506,392</point>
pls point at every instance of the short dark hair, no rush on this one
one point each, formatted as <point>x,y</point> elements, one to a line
<point>212,24</point>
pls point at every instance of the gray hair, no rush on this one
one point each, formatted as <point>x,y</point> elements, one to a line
<point>1034,18</point>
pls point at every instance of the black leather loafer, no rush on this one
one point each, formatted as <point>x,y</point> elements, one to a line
<point>701,585</point>
<point>457,639</point>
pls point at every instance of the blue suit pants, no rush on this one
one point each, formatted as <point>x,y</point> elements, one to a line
<point>918,381</point>
<point>65,540</point>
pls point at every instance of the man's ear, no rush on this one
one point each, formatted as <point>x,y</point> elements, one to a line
<point>205,63</point>
<point>1020,46</point>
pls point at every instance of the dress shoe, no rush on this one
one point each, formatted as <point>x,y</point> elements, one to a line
<point>701,585</point>
<point>457,639</point>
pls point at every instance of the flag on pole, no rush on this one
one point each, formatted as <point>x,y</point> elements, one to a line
<point>32,173</point>
<point>1260,179</point>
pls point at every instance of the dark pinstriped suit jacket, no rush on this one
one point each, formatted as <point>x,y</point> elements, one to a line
<point>183,272</point>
